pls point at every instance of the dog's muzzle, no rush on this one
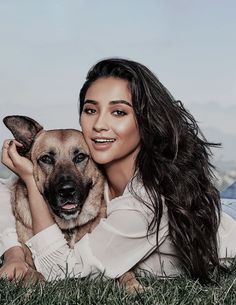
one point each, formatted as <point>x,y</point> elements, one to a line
<point>67,196</point>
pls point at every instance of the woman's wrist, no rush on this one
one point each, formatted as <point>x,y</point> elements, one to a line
<point>30,182</point>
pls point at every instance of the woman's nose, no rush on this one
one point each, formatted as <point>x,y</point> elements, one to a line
<point>101,123</point>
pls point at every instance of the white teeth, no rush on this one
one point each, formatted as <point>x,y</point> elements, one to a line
<point>103,140</point>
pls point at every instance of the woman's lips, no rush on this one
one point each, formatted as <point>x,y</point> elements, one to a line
<point>102,143</point>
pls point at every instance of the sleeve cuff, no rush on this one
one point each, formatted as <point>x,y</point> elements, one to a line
<point>8,239</point>
<point>46,241</point>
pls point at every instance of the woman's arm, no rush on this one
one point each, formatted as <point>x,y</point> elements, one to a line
<point>116,245</point>
<point>41,217</point>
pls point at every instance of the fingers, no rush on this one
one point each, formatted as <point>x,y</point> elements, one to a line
<point>9,153</point>
<point>5,157</point>
<point>12,153</point>
<point>8,142</point>
<point>16,143</point>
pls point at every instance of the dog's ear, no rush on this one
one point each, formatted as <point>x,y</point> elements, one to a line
<point>24,130</point>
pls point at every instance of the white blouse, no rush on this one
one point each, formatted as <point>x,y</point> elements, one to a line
<point>116,245</point>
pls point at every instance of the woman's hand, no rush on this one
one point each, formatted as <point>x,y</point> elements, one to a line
<point>22,166</point>
<point>14,265</point>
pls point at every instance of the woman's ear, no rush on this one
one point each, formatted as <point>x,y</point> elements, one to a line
<point>24,130</point>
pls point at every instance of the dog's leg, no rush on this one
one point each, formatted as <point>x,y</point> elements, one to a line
<point>130,283</point>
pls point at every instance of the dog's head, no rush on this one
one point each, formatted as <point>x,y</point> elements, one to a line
<point>63,170</point>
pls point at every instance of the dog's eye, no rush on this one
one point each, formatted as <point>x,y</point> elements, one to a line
<point>47,159</point>
<point>80,157</point>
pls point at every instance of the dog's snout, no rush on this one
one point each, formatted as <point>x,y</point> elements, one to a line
<point>66,190</point>
<point>66,194</point>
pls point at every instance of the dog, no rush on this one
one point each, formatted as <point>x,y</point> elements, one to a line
<point>69,181</point>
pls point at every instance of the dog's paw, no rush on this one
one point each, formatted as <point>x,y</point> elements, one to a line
<point>134,287</point>
<point>131,284</point>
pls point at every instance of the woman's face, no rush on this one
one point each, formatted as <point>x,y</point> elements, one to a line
<point>108,121</point>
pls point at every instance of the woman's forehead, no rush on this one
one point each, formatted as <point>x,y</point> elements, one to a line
<point>109,89</point>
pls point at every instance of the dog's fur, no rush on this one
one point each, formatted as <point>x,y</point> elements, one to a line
<point>68,179</point>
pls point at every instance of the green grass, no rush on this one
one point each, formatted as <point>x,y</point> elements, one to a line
<point>181,291</point>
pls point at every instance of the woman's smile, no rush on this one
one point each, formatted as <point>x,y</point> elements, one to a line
<point>102,143</point>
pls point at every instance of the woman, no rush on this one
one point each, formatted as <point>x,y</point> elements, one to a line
<point>164,213</point>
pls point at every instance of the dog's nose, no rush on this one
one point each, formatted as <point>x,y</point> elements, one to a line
<point>66,190</point>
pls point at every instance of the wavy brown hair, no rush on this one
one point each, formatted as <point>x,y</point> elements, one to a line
<point>173,162</point>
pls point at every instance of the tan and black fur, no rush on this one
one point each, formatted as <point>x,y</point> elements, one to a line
<point>66,177</point>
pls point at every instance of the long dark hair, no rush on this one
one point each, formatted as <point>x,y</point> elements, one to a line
<point>173,162</point>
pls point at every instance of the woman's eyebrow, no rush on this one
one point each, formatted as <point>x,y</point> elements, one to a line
<point>111,102</point>
<point>120,102</point>
<point>90,102</point>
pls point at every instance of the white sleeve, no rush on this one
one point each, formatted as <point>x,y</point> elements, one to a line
<point>8,236</point>
<point>115,245</point>
<point>227,237</point>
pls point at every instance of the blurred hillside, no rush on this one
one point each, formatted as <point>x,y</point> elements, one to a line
<point>4,172</point>
<point>225,174</point>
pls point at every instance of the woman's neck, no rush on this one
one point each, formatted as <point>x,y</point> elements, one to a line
<point>118,175</point>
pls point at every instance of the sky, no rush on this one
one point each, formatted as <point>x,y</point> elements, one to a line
<point>47,47</point>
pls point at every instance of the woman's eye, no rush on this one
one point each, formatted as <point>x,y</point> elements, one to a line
<point>89,110</point>
<point>80,157</point>
<point>47,159</point>
<point>119,113</point>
